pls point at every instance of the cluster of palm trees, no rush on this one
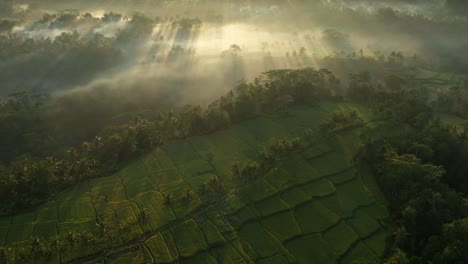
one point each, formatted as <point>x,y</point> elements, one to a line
<point>279,149</point>
<point>339,120</point>
<point>212,188</point>
<point>270,155</point>
<point>103,237</point>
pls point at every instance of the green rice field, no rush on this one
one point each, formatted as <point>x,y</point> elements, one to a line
<point>316,207</point>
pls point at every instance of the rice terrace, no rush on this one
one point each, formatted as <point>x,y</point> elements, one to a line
<point>200,131</point>
<point>315,197</point>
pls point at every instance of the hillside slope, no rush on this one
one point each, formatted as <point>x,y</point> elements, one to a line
<point>180,204</point>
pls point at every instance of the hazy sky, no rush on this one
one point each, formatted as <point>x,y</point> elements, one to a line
<point>267,34</point>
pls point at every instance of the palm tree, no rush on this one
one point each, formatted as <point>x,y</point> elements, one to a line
<point>35,246</point>
<point>2,256</point>
<point>187,197</point>
<point>353,115</point>
<point>124,229</point>
<point>102,228</point>
<point>143,216</point>
<point>60,246</point>
<point>202,189</point>
<point>168,200</point>
<point>400,235</point>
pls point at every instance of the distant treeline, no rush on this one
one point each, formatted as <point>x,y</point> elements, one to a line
<point>47,63</point>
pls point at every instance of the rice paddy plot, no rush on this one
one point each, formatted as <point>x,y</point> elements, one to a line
<point>194,168</point>
<point>88,225</point>
<point>130,257</point>
<point>5,221</point>
<point>159,212</point>
<point>138,185</point>
<point>136,169</point>
<point>263,244</point>
<point>319,188</point>
<point>232,203</point>
<point>349,142</point>
<point>343,176</point>
<point>258,190</point>
<point>77,251</point>
<point>330,163</point>
<point>295,196</point>
<point>45,229</point>
<point>181,151</point>
<point>80,192</point>
<point>376,211</point>
<point>340,238</point>
<point>371,184</point>
<point>363,224</point>
<point>111,182</point>
<point>212,235</point>
<point>110,219</point>
<point>73,211</point>
<point>283,225</point>
<point>299,170</point>
<point>276,259</point>
<point>299,117</point>
<point>110,193</point>
<point>203,258</point>
<point>314,217</point>
<point>205,147</point>
<point>247,213</point>
<point>349,196</point>
<point>24,218</point>
<point>231,252</point>
<point>223,168</point>
<point>166,180</point>
<point>159,251</point>
<point>311,249</point>
<point>162,159</point>
<point>188,238</point>
<point>377,242</point>
<point>233,145</point>
<point>3,234</point>
<point>279,179</point>
<point>312,152</point>
<point>271,206</point>
<point>196,181</point>
<point>324,146</point>
<point>47,212</point>
<point>264,129</point>
<point>129,215</point>
<point>224,227</point>
<point>359,253</point>
<point>223,143</point>
<point>107,207</point>
<point>185,201</point>
<point>19,232</point>
<point>168,238</point>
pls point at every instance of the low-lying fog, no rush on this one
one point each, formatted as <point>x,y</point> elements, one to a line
<point>194,51</point>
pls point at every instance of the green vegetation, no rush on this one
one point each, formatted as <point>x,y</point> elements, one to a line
<point>202,220</point>
<point>261,184</point>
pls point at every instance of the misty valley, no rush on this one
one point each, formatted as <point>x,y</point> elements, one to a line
<point>202,131</point>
